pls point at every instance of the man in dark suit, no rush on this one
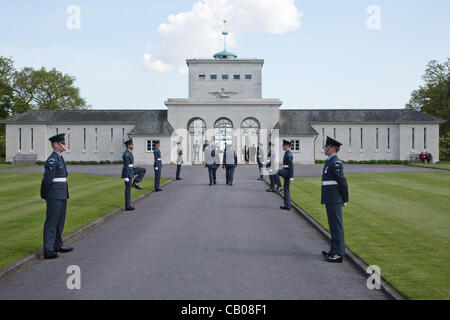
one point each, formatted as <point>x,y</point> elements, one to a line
<point>229,163</point>
<point>260,160</point>
<point>157,165</point>
<point>55,192</point>
<point>212,162</point>
<point>334,197</point>
<point>287,173</point>
<point>179,160</point>
<point>128,173</point>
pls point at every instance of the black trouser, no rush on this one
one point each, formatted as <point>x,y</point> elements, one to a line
<point>212,174</point>
<point>178,171</point>
<point>229,174</point>
<point>335,221</point>
<point>157,177</point>
<point>287,182</point>
<point>54,224</point>
<point>127,193</point>
<point>260,167</point>
<point>139,173</point>
<point>274,180</point>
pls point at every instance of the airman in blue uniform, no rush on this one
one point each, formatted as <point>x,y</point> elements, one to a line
<point>179,160</point>
<point>334,197</point>
<point>273,172</point>
<point>287,173</point>
<point>157,165</point>
<point>128,173</point>
<point>55,192</point>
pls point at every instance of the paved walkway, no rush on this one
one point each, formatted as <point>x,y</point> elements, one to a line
<point>194,241</point>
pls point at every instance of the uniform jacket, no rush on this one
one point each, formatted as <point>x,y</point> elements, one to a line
<point>179,156</point>
<point>55,167</point>
<point>157,158</point>
<point>260,156</point>
<point>212,159</point>
<point>234,164</point>
<point>270,164</point>
<point>288,164</point>
<point>334,193</point>
<point>128,164</point>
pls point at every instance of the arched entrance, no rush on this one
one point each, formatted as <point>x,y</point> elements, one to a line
<point>223,132</point>
<point>249,139</point>
<point>197,130</point>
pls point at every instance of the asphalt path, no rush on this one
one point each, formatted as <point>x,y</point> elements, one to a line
<point>195,241</point>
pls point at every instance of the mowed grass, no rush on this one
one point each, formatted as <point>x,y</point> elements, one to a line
<point>439,165</point>
<point>12,166</point>
<point>22,212</point>
<point>398,221</point>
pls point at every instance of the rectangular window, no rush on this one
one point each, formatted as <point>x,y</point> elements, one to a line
<point>425,138</point>
<point>123,138</point>
<point>376,139</point>
<point>323,138</point>
<point>213,77</point>
<point>389,139</point>
<point>20,139</point>
<point>248,77</point>
<point>151,145</point>
<point>31,139</point>
<point>68,139</point>
<point>413,139</point>
<point>295,145</point>
<point>112,140</point>
<point>96,140</point>
<point>224,77</point>
<point>84,139</point>
<point>349,138</point>
<point>237,77</point>
<point>201,77</point>
<point>334,133</point>
<point>361,138</point>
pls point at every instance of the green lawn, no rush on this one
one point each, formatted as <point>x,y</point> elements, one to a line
<point>398,221</point>
<point>440,165</point>
<point>11,166</point>
<point>22,212</point>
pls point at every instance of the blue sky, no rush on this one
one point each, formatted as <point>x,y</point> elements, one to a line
<point>329,60</point>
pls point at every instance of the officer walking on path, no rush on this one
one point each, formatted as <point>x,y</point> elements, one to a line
<point>273,173</point>
<point>128,173</point>
<point>334,197</point>
<point>229,163</point>
<point>157,165</point>
<point>287,173</point>
<point>212,162</point>
<point>179,160</point>
<point>55,191</point>
<point>260,160</point>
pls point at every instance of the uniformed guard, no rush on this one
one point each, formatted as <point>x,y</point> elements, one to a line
<point>157,165</point>
<point>287,173</point>
<point>196,152</point>
<point>260,160</point>
<point>179,159</point>
<point>275,183</point>
<point>128,173</point>
<point>229,163</point>
<point>212,162</point>
<point>334,197</point>
<point>55,191</point>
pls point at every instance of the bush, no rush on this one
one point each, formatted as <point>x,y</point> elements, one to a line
<point>369,162</point>
<point>117,162</point>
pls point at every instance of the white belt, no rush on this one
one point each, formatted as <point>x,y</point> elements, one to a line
<point>285,166</point>
<point>59,179</point>
<point>131,165</point>
<point>329,183</point>
<point>159,159</point>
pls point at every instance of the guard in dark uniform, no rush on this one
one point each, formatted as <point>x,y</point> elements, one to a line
<point>229,163</point>
<point>128,173</point>
<point>179,160</point>
<point>334,197</point>
<point>260,160</point>
<point>157,165</point>
<point>55,191</point>
<point>273,173</point>
<point>287,173</point>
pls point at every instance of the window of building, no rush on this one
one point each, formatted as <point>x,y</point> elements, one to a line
<point>361,139</point>
<point>201,77</point>
<point>123,138</point>
<point>413,139</point>
<point>31,139</point>
<point>248,77</point>
<point>389,139</point>
<point>223,129</point>
<point>425,138</point>
<point>334,133</point>
<point>213,77</point>
<point>96,139</point>
<point>68,139</point>
<point>112,140</point>
<point>20,139</point>
<point>323,138</point>
<point>376,138</point>
<point>151,145</point>
<point>84,139</point>
<point>224,77</point>
<point>295,145</point>
<point>350,138</point>
<point>237,77</point>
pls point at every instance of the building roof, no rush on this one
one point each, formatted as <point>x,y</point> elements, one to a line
<point>225,55</point>
<point>298,121</point>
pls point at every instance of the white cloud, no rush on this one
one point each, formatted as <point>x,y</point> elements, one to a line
<point>196,33</point>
